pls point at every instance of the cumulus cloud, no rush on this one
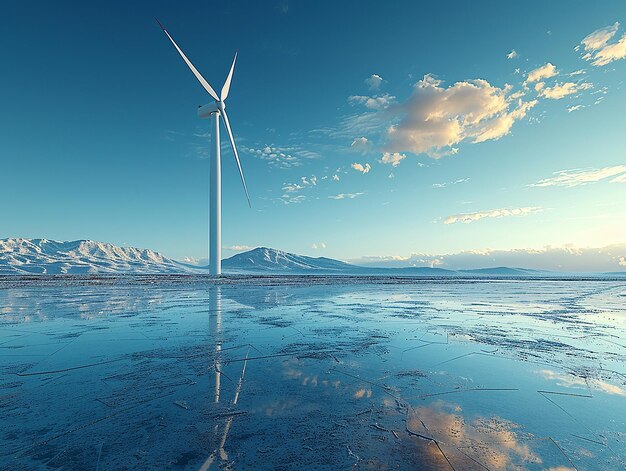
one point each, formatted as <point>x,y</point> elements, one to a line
<point>467,218</point>
<point>335,178</point>
<point>374,81</point>
<point>361,168</point>
<point>376,102</point>
<point>392,158</point>
<point>599,51</point>
<point>435,118</point>
<point>576,177</point>
<point>561,90</point>
<point>342,196</point>
<point>574,108</point>
<point>540,73</point>
<point>512,55</point>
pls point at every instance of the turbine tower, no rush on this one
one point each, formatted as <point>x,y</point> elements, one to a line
<point>215,111</point>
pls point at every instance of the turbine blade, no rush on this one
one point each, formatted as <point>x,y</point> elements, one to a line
<point>232,143</point>
<point>226,86</point>
<point>200,78</point>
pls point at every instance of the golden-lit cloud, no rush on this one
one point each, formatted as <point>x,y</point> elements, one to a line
<point>435,117</point>
<point>540,73</point>
<point>493,441</point>
<point>361,168</point>
<point>599,51</point>
<point>561,90</point>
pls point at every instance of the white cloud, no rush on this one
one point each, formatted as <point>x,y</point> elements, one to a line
<point>289,199</point>
<point>342,196</point>
<point>281,157</point>
<point>361,168</point>
<point>316,246</point>
<point>467,218</point>
<point>393,158</point>
<point>361,144</point>
<point>619,179</point>
<point>292,190</point>
<point>238,248</point>
<point>597,47</point>
<point>561,90</point>
<point>435,118</point>
<point>374,81</point>
<point>577,72</point>
<point>191,261</point>
<point>376,102</point>
<point>574,108</point>
<point>570,178</point>
<point>292,187</point>
<point>540,73</point>
<point>335,178</point>
<point>512,55</point>
<point>455,182</point>
<point>565,258</point>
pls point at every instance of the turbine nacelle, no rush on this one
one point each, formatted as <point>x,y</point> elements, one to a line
<point>206,111</point>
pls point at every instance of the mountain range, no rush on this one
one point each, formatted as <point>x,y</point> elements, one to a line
<point>20,256</point>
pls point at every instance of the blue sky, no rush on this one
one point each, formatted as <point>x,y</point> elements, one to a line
<point>380,133</point>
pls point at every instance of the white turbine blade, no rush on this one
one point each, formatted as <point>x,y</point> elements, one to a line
<point>232,143</point>
<point>226,86</point>
<point>200,78</point>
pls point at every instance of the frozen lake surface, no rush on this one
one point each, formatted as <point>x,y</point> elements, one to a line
<point>178,372</point>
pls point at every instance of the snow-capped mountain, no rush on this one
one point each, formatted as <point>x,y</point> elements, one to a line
<point>266,259</point>
<point>43,256</point>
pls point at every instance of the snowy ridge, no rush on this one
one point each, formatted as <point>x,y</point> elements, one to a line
<point>49,257</point>
<point>267,259</point>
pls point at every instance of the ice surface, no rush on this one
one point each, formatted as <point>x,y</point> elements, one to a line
<point>180,372</point>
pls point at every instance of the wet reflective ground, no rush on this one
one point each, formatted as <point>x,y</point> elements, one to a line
<point>324,373</point>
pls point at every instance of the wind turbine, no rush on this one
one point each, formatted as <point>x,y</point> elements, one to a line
<point>214,111</point>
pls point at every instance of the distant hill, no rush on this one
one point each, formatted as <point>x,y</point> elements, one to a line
<point>267,259</point>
